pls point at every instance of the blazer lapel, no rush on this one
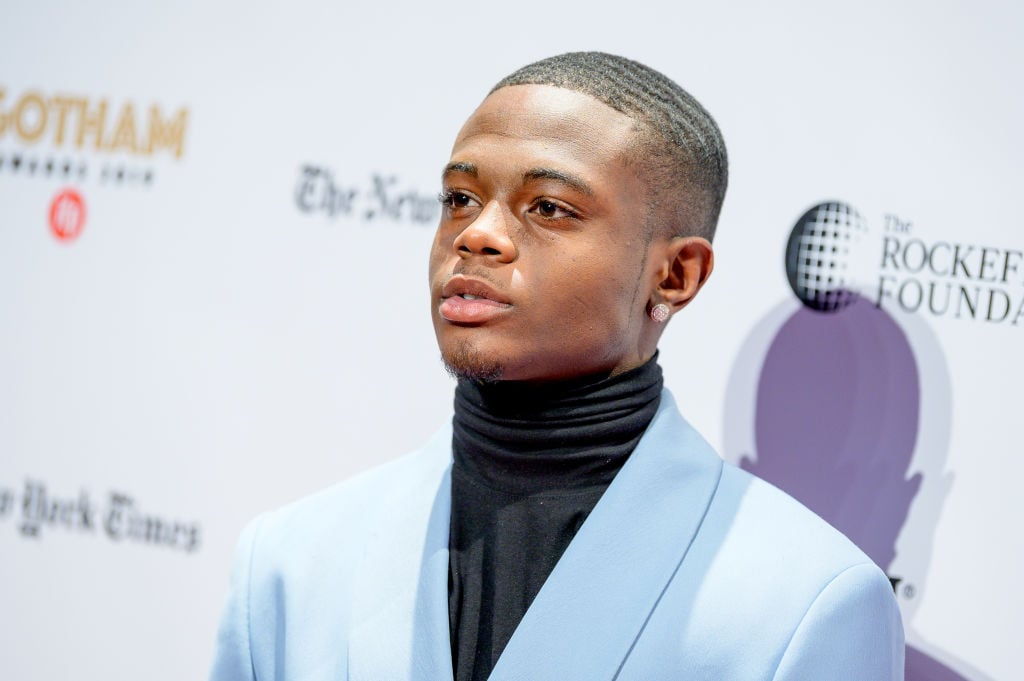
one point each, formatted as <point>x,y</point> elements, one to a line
<point>400,607</point>
<point>596,601</point>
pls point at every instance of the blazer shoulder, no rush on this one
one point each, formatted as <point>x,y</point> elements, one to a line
<point>842,620</point>
<point>296,569</point>
<point>338,515</point>
<point>852,631</point>
<point>752,582</point>
<point>780,520</point>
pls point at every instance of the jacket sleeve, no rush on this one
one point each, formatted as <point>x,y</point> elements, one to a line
<point>232,659</point>
<point>852,631</point>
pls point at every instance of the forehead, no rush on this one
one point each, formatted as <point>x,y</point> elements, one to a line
<point>549,120</point>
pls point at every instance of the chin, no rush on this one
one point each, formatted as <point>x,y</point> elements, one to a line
<point>464,360</point>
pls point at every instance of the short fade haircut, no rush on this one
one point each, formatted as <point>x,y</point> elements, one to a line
<point>679,147</point>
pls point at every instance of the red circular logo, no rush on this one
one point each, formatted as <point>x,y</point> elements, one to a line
<point>67,215</point>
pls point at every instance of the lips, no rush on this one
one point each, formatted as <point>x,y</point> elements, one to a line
<point>465,300</point>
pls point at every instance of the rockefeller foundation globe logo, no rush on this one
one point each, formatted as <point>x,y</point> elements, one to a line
<point>818,256</point>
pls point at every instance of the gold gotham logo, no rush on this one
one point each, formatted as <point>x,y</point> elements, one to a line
<point>83,123</point>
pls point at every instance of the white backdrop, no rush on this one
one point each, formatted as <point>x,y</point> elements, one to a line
<point>226,333</point>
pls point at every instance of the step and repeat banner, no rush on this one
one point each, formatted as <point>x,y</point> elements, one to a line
<point>214,225</point>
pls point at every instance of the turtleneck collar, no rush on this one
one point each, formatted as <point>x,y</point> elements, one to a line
<point>530,438</point>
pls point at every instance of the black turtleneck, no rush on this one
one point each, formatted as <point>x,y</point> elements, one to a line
<point>531,462</point>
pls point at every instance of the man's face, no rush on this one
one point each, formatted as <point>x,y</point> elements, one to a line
<point>539,269</point>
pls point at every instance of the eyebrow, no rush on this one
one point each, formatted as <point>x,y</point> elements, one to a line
<point>530,175</point>
<point>459,167</point>
<point>558,176</point>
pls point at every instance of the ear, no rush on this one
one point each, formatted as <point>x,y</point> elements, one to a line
<point>688,265</point>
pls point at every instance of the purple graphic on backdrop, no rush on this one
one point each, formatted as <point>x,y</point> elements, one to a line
<point>836,422</point>
<point>835,425</point>
<point>837,411</point>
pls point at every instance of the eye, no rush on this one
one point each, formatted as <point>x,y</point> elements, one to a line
<point>551,210</point>
<point>455,199</point>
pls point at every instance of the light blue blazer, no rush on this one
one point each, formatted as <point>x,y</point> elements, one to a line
<point>687,568</point>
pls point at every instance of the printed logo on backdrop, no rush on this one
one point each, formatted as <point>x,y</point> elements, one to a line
<point>833,403</point>
<point>381,197</point>
<point>834,257</point>
<point>39,514</point>
<point>78,141</point>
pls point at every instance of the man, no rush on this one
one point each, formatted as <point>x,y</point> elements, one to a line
<point>569,524</point>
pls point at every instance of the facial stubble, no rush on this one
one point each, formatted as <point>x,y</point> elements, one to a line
<point>465,361</point>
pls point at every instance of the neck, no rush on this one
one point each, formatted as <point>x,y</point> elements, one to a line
<point>531,437</point>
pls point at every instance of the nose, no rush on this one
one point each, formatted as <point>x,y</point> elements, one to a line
<point>487,235</point>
